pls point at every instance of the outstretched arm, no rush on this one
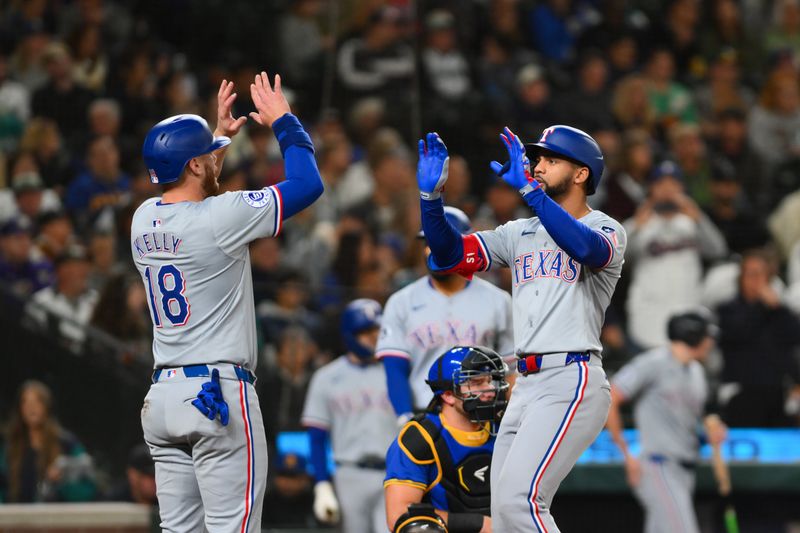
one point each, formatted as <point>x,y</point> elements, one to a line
<point>303,184</point>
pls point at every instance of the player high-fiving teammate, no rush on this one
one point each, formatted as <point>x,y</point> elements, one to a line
<point>565,261</point>
<point>201,417</point>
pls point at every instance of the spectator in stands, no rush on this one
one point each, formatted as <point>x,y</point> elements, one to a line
<point>533,109</point>
<point>288,310</point>
<point>554,27</point>
<point>731,213</point>
<point>55,233</point>
<point>265,260</point>
<point>676,30</point>
<point>90,64</point>
<point>66,307</point>
<point>25,63</point>
<point>587,105</point>
<point>282,386</point>
<point>730,143</point>
<point>103,186</point>
<point>140,479</point>
<point>671,101</point>
<point>730,33</point>
<point>15,107</point>
<point>688,149</point>
<point>774,122</point>
<point>623,55</point>
<point>784,33</point>
<point>631,105</point>
<point>627,189</point>
<point>302,42</point>
<point>758,337</point>
<point>22,271</point>
<point>723,90</point>
<point>43,462</point>
<point>122,311</point>
<point>62,100</point>
<point>28,196</point>
<point>378,63</point>
<point>668,238</point>
<point>42,140</point>
<point>105,119</point>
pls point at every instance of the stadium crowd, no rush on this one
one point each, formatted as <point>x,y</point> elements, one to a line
<point>696,106</point>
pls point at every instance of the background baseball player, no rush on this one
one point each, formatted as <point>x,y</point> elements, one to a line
<point>566,261</point>
<point>669,387</point>
<point>347,400</point>
<point>190,246</point>
<point>433,314</point>
<point>443,456</point>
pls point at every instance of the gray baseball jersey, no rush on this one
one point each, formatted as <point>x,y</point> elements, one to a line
<point>195,264</point>
<point>670,397</point>
<point>558,304</point>
<point>420,323</point>
<point>351,402</point>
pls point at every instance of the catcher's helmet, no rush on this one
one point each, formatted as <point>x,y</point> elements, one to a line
<point>420,518</point>
<point>457,218</point>
<point>691,328</point>
<point>360,315</point>
<point>575,145</point>
<point>458,366</point>
<point>173,142</point>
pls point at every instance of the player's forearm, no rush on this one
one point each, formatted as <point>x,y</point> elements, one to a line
<point>397,371</point>
<point>614,426</point>
<point>318,438</point>
<point>303,184</point>
<point>447,248</point>
<point>580,241</point>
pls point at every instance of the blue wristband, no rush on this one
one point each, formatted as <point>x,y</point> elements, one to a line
<point>290,132</point>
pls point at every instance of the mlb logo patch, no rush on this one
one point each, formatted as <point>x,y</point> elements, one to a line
<point>170,373</point>
<point>157,223</point>
<point>153,175</point>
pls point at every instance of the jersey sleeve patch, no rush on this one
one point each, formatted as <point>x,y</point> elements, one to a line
<point>257,199</point>
<point>416,443</point>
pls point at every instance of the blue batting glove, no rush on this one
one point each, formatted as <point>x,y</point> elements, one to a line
<point>517,171</point>
<point>209,400</point>
<point>432,166</point>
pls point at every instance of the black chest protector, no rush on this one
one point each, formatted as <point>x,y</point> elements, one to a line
<point>466,484</point>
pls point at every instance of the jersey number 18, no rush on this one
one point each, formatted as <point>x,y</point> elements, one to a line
<point>169,299</point>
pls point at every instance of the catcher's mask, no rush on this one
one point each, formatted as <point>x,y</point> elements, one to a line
<point>477,376</point>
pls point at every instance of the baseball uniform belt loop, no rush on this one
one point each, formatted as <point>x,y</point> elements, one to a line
<point>660,458</point>
<point>201,371</point>
<point>532,363</point>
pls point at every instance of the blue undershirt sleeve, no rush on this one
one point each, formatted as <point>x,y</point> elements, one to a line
<point>581,242</point>
<point>319,459</point>
<point>303,184</point>
<point>447,248</point>
<point>397,371</point>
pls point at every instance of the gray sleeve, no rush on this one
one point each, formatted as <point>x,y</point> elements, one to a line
<point>238,218</point>
<point>393,341</point>
<point>634,377</point>
<point>316,411</point>
<point>498,245</point>
<point>712,243</point>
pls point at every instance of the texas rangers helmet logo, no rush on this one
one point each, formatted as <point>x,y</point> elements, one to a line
<point>546,133</point>
<point>255,198</point>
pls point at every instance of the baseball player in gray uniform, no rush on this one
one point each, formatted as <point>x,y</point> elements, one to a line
<point>565,262</point>
<point>669,387</point>
<point>430,316</point>
<point>347,399</point>
<point>201,417</point>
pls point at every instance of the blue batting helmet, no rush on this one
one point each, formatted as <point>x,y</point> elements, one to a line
<point>575,145</point>
<point>173,142</point>
<point>458,366</point>
<point>457,218</point>
<point>360,315</point>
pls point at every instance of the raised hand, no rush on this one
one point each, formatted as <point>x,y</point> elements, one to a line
<point>517,171</point>
<point>270,102</point>
<point>432,167</point>
<point>226,124</point>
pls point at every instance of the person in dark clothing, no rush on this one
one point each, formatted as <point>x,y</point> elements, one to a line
<point>140,479</point>
<point>758,335</point>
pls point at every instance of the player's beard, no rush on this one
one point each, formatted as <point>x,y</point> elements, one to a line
<point>210,183</point>
<point>558,189</point>
<point>441,277</point>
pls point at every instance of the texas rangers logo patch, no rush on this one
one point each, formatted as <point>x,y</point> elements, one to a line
<point>255,198</point>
